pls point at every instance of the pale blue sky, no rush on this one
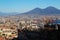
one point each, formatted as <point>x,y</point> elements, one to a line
<point>26,5</point>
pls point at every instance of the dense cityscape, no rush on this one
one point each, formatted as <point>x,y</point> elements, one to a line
<point>11,26</point>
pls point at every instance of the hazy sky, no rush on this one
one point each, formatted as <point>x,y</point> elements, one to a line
<point>26,5</point>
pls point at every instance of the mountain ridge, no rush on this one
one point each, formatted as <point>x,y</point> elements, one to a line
<point>47,11</point>
<point>37,11</point>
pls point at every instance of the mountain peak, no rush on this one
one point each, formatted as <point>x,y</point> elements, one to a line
<point>37,9</point>
<point>51,8</point>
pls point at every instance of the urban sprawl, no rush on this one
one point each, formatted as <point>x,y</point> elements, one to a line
<point>10,25</point>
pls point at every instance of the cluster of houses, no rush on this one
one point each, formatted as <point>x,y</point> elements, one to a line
<point>8,33</point>
<point>37,24</point>
<point>8,30</point>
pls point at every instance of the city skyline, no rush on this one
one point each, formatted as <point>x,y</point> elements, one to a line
<point>26,5</point>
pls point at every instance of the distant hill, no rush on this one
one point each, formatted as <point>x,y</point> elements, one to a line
<point>37,11</point>
<point>8,14</point>
<point>47,11</point>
